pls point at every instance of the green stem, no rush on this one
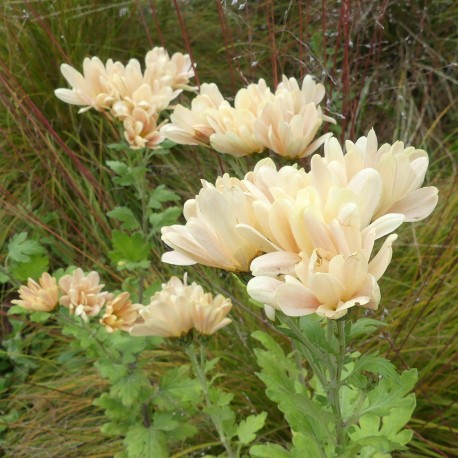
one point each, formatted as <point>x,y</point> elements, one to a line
<point>141,187</point>
<point>200,372</point>
<point>337,329</point>
<point>306,347</point>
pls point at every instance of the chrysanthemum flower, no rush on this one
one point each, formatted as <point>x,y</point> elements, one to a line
<point>402,172</point>
<point>210,236</point>
<point>210,314</point>
<point>40,297</point>
<point>120,313</point>
<point>190,126</point>
<point>93,88</point>
<point>178,308</point>
<point>82,294</point>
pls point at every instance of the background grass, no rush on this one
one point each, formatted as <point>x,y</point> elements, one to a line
<point>387,65</point>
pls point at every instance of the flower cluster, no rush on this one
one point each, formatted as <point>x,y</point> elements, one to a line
<point>308,238</point>
<point>173,311</point>
<point>285,121</point>
<point>133,96</point>
<point>178,308</point>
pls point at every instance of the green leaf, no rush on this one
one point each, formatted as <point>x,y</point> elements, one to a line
<point>17,310</point>
<point>126,216</point>
<point>389,394</point>
<point>165,218</point>
<point>4,278</point>
<point>20,248</point>
<point>312,327</point>
<point>144,442</point>
<point>364,327</point>
<point>40,317</point>
<point>126,175</point>
<point>129,252</point>
<point>31,269</point>
<point>176,388</point>
<point>374,364</point>
<point>219,397</point>
<point>247,428</point>
<point>132,389</point>
<point>269,451</point>
<point>160,195</point>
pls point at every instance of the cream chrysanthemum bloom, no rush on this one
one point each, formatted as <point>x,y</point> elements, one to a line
<point>141,130</point>
<point>40,297</point>
<point>82,294</point>
<point>190,126</point>
<point>168,313</point>
<point>120,313</point>
<point>328,287</point>
<point>401,170</point>
<point>209,315</point>
<point>210,236</point>
<point>93,88</point>
<point>180,307</point>
<point>175,71</point>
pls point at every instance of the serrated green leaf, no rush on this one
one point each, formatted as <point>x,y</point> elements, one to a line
<point>129,252</point>
<point>311,326</point>
<point>126,216</point>
<point>17,310</point>
<point>118,167</point>
<point>161,195</point>
<point>269,451</point>
<point>126,175</point>
<point>374,364</point>
<point>144,442</point>
<point>176,388</point>
<point>165,218</point>
<point>307,446</point>
<point>364,327</point>
<point>20,249</point>
<point>40,317</point>
<point>247,428</point>
<point>33,268</point>
<point>389,394</point>
<point>219,397</point>
<point>132,389</point>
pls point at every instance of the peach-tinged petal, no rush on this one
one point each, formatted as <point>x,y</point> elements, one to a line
<point>385,224</point>
<point>326,287</point>
<point>263,289</point>
<point>294,299</point>
<point>273,264</point>
<point>380,262</point>
<point>417,205</point>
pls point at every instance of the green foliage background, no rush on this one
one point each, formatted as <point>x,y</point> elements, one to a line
<point>387,65</point>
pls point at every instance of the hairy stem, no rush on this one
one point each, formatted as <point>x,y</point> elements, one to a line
<point>337,329</point>
<point>198,367</point>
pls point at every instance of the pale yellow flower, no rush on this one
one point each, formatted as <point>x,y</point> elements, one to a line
<point>82,294</point>
<point>234,131</point>
<point>402,172</point>
<point>175,71</point>
<point>254,97</point>
<point>210,236</point>
<point>169,313</point>
<point>326,286</point>
<point>190,126</point>
<point>93,88</point>
<point>141,130</point>
<point>287,133</point>
<point>40,297</point>
<point>120,313</point>
<point>209,314</point>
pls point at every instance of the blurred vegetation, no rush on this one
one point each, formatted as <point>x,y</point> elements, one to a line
<point>387,65</point>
